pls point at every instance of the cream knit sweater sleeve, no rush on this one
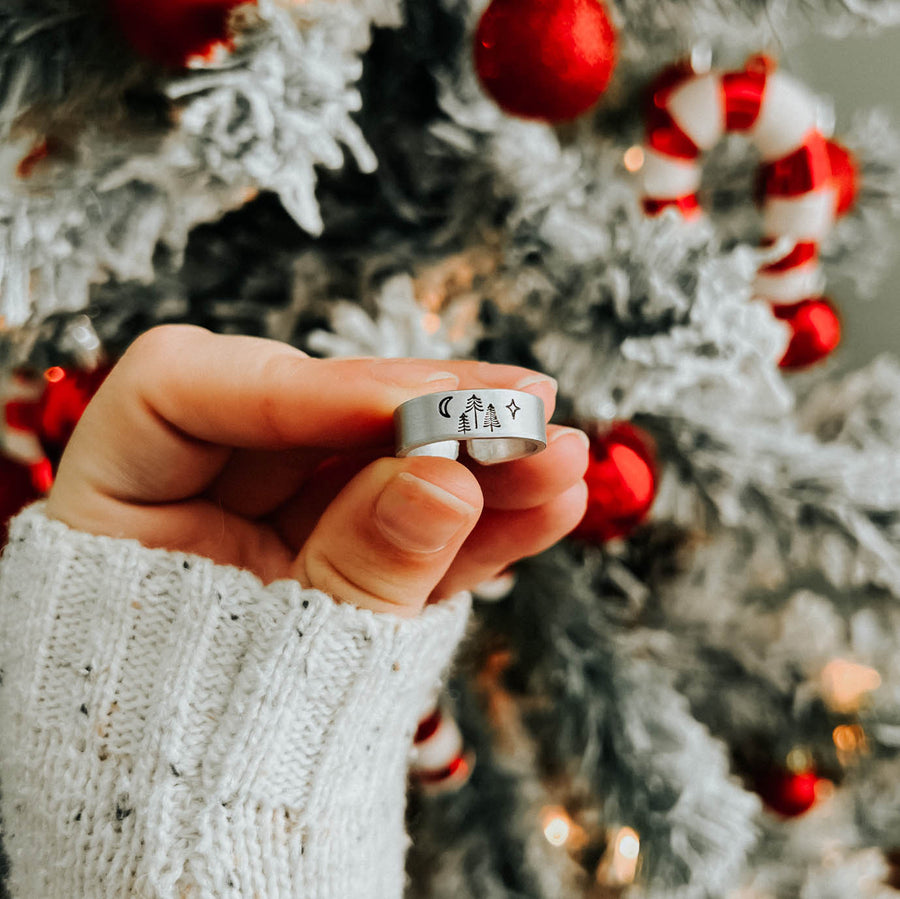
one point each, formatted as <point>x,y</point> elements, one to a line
<point>172,728</point>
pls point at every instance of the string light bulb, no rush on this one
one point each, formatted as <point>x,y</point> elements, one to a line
<point>431,323</point>
<point>633,158</point>
<point>557,825</point>
<point>620,863</point>
<point>799,759</point>
<point>845,684</point>
<point>850,742</point>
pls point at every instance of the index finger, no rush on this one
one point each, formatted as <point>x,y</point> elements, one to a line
<point>244,391</point>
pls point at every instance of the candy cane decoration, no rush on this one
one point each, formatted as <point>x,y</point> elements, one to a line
<point>807,181</point>
<point>440,761</point>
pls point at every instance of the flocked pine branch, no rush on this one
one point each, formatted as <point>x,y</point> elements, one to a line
<point>261,119</point>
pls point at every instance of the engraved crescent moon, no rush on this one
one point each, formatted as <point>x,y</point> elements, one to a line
<point>443,406</point>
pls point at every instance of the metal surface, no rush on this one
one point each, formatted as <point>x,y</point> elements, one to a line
<point>496,425</point>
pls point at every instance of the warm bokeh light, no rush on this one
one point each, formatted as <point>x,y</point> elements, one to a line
<point>54,374</point>
<point>850,742</point>
<point>619,866</point>
<point>628,845</point>
<point>845,683</point>
<point>557,826</point>
<point>799,759</point>
<point>824,790</point>
<point>431,323</point>
<point>634,158</point>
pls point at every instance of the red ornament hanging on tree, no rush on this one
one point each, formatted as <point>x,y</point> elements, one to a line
<point>790,793</point>
<point>815,327</point>
<point>545,59</point>
<point>170,32</point>
<point>40,414</point>
<point>66,396</point>
<point>621,479</point>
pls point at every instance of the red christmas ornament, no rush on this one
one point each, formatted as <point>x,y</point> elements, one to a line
<point>65,398</point>
<point>789,793</point>
<point>816,331</point>
<point>545,59</point>
<point>16,492</point>
<point>843,177</point>
<point>170,32</point>
<point>36,426</point>
<point>621,480</point>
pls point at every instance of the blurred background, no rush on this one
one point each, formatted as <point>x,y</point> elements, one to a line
<point>860,73</point>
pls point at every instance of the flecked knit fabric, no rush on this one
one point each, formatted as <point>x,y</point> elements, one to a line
<point>173,728</point>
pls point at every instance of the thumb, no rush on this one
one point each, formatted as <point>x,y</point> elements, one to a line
<point>387,539</point>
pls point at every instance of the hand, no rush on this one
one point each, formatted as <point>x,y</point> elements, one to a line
<point>248,452</point>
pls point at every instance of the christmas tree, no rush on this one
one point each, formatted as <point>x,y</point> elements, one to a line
<point>638,199</point>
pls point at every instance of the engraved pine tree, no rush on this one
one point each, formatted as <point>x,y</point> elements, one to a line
<point>474,405</point>
<point>464,426</point>
<point>490,419</point>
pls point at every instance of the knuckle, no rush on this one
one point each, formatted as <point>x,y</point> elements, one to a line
<point>282,367</point>
<point>389,586</point>
<point>161,340</point>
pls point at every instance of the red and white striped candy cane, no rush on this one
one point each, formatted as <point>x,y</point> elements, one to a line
<point>689,113</point>
<point>440,761</point>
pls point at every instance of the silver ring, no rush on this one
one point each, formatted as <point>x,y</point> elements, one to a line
<point>496,425</point>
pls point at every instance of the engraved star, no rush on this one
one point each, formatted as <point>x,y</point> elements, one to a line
<point>513,408</point>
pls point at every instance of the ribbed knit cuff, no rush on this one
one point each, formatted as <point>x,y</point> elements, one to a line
<point>171,727</point>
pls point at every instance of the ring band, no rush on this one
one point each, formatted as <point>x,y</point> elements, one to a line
<point>496,425</point>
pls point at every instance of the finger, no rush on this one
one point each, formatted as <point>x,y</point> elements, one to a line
<point>503,537</point>
<point>254,392</point>
<point>295,518</point>
<point>253,482</point>
<point>524,483</point>
<point>391,534</point>
<point>180,393</point>
<point>535,480</point>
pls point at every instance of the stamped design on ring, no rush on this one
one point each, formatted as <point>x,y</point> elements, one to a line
<point>494,424</point>
<point>474,405</point>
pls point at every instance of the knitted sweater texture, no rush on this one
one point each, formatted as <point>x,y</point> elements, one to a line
<point>172,728</point>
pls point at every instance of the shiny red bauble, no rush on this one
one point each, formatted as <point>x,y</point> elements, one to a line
<point>789,793</point>
<point>844,178</point>
<point>815,331</point>
<point>170,32</point>
<point>621,480</point>
<point>66,396</point>
<point>545,59</point>
<point>50,417</point>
